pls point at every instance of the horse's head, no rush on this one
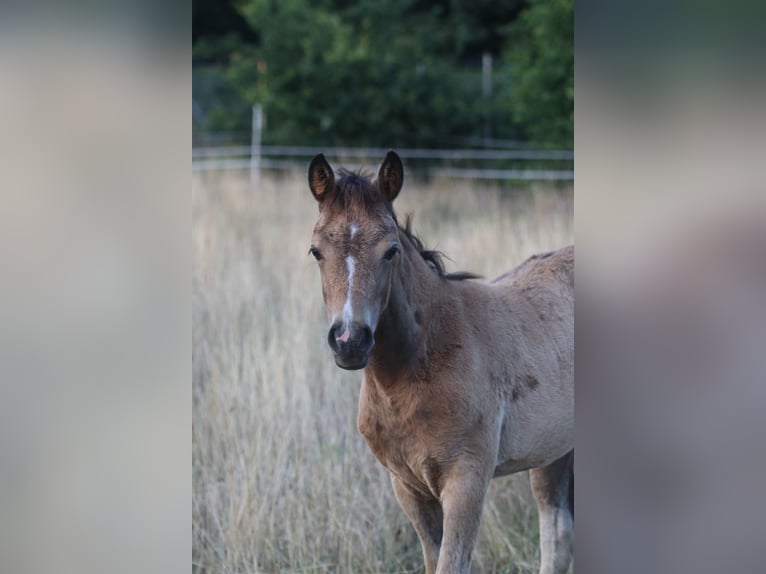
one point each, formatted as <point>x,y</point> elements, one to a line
<point>356,243</point>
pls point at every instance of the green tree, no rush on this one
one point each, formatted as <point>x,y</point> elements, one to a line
<point>369,74</point>
<point>394,73</point>
<point>540,58</point>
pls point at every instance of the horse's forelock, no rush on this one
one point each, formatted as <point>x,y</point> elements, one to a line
<point>356,190</point>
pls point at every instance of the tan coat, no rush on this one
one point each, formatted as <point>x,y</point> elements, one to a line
<point>463,380</point>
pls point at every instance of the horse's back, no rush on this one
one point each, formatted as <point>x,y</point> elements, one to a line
<point>539,295</point>
<point>542,269</point>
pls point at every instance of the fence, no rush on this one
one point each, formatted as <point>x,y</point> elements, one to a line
<point>499,164</point>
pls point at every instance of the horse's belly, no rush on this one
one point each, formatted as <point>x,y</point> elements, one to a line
<point>511,466</point>
<point>530,439</point>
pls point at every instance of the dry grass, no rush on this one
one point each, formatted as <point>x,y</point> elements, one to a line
<point>283,482</point>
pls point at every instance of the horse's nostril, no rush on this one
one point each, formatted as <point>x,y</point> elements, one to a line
<point>334,335</point>
<point>365,337</point>
<point>355,337</point>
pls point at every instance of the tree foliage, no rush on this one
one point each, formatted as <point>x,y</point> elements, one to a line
<point>394,73</point>
<point>541,65</point>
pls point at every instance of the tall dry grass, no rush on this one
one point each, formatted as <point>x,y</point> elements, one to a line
<point>283,482</point>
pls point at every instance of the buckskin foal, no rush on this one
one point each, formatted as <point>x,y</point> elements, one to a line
<point>463,381</point>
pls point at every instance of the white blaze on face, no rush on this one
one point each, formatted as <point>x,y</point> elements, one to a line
<point>347,313</point>
<point>353,229</point>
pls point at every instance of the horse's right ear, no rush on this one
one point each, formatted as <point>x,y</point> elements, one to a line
<point>391,176</point>
<point>321,177</point>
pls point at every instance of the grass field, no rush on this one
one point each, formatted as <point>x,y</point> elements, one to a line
<point>282,480</point>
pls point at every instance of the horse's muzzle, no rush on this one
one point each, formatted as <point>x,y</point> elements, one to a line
<point>351,344</point>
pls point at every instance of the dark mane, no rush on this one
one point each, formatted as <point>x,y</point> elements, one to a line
<point>356,190</point>
<point>434,258</point>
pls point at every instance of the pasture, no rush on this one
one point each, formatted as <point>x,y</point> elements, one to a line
<point>282,479</point>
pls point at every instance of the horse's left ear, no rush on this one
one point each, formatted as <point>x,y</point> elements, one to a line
<point>391,176</point>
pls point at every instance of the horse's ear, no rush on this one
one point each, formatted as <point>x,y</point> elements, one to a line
<point>321,177</point>
<point>391,176</point>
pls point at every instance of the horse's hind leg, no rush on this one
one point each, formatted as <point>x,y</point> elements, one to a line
<point>553,487</point>
<point>427,518</point>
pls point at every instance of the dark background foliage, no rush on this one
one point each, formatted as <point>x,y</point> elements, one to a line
<point>395,73</point>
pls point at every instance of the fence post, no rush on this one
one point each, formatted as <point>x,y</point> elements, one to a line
<point>486,92</point>
<point>255,145</point>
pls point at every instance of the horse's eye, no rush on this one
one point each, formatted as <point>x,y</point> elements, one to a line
<point>391,252</point>
<point>315,252</point>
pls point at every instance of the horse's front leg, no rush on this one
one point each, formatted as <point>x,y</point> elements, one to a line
<point>462,500</point>
<point>426,516</point>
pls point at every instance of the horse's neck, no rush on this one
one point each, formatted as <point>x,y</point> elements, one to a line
<point>402,328</point>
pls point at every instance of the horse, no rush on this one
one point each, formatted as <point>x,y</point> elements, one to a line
<point>463,380</point>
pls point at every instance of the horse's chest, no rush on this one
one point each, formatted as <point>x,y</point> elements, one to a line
<point>401,444</point>
<point>391,439</point>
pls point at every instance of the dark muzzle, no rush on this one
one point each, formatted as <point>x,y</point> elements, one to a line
<point>351,344</point>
